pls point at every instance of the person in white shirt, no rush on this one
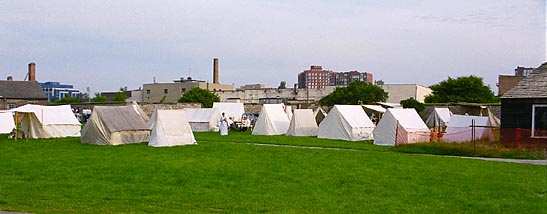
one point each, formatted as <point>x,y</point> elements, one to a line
<point>245,123</point>
<point>223,125</point>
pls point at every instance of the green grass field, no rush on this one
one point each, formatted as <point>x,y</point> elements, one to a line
<point>226,175</point>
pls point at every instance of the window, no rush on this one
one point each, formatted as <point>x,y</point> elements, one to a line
<point>165,91</point>
<point>539,121</point>
<point>12,105</point>
<point>147,91</point>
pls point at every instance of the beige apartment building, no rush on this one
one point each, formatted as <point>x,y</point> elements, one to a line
<point>155,92</point>
<point>399,92</point>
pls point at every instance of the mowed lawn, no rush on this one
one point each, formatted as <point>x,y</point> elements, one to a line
<point>224,175</point>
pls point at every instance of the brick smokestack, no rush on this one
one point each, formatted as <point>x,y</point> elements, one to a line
<point>32,71</point>
<point>10,78</point>
<point>215,70</point>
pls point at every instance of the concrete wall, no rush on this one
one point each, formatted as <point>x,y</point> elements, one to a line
<point>255,95</point>
<point>399,92</point>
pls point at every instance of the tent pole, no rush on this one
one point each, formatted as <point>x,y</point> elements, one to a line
<point>16,120</point>
<point>473,137</point>
<point>396,132</point>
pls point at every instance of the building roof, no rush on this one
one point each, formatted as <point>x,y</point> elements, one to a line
<point>532,86</point>
<point>21,90</point>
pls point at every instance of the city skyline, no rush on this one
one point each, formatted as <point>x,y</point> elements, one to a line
<point>106,45</point>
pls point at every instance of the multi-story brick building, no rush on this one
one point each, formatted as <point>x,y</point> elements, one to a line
<point>316,77</point>
<point>506,82</point>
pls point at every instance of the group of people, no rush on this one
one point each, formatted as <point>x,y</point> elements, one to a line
<point>227,123</point>
<point>82,115</point>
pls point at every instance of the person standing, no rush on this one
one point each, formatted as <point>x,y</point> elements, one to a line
<point>223,125</point>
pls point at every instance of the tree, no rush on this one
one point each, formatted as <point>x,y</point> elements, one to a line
<point>413,103</point>
<point>68,100</point>
<point>119,97</point>
<point>282,85</point>
<point>462,89</point>
<point>355,93</point>
<point>198,95</point>
<point>98,98</point>
<point>82,97</point>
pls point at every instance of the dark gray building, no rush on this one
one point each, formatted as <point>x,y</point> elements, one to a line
<point>524,112</point>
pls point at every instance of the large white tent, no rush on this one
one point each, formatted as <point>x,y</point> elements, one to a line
<point>271,121</point>
<point>346,122</point>
<point>48,121</point>
<point>203,119</point>
<point>115,125</point>
<point>439,117</point>
<point>170,128</point>
<point>7,123</point>
<point>234,110</point>
<point>319,114</point>
<point>400,126</point>
<point>302,123</point>
<point>459,129</point>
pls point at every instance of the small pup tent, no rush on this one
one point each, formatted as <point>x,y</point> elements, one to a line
<point>203,119</point>
<point>346,122</point>
<point>439,117</point>
<point>319,114</point>
<point>400,126</point>
<point>459,129</point>
<point>234,110</point>
<point>271,121</point>
<point>170,128</point>
<point>302,123</point>
<point>115,125</point>
<point>48,121</point>
<point>7,123</point>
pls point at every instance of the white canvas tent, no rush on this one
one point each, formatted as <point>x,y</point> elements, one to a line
<point>346,122</point>
<point>48,121</point>
<point>289,111</point>
<point>271,121</point>
<point>374,112</point>
<point>439,117</point>
<point>203,119</point>
<point>7,123</point>
<point>319,114</point>
<point>234,110</point>
<point>302,123</point>
<point>170,128</point>
<point>390,105</point>
<point>376,108</point>
<point>400,126</point>
<point>459,129</point>
<point>139,111</point>
<point>115,125</point>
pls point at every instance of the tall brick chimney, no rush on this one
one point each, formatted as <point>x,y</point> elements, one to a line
<point>10,78</point>
<point>215,70</point>
<point>32,71</point>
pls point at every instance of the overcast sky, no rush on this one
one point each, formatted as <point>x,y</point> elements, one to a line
<point>108,44</point>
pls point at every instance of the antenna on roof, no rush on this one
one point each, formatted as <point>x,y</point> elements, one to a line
<point>189,70</point>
